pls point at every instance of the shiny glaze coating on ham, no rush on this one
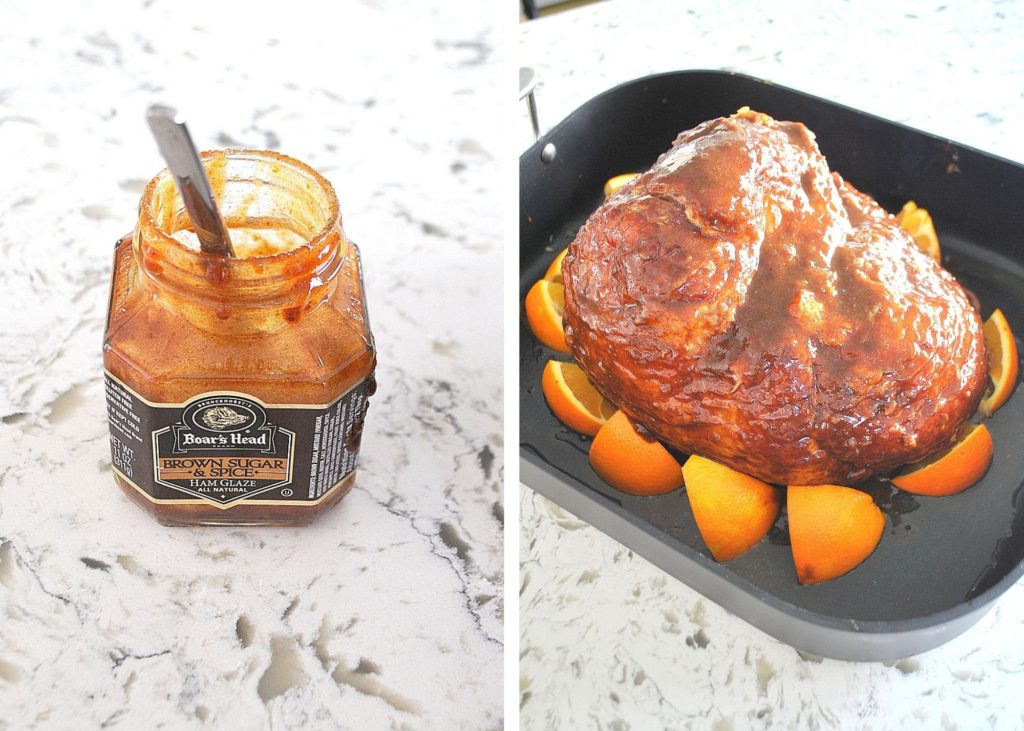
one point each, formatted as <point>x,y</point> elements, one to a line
<point>742,302</point>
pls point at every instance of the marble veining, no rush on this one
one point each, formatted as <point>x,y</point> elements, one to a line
<point>608,641</point>
<point>388,612</point>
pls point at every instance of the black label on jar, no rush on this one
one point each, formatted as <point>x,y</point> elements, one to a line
<point>224,447</point>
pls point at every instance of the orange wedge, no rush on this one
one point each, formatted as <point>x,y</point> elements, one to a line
<point>1002,362</point>
<point>832,529</point>
<point>613,184</point>
<point>918,223</point>
<point>633,462</point>
<point>733,510</point>
<point>953,470</point>
<point>545,303</point>
<point>573,398</point>
<point>554,272</point>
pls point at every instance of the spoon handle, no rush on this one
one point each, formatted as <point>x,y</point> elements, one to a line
<point>176,146</point>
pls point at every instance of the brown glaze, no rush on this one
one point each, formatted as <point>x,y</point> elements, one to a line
<point>742,302</point>
<point>182,323</point>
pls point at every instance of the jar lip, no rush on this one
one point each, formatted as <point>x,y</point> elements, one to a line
<point>149,227</point>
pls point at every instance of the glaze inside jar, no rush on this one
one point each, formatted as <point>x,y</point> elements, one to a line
<point>284,224</point>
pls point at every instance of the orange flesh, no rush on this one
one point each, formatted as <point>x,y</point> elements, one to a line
<point>545,303</point>
<point>832,529</point>
<point>951,471</point>
<point>554,272</point>
<point>1003,362</point>
<point>573,398</point>
<point>733,510</point>
<point>633,462</point>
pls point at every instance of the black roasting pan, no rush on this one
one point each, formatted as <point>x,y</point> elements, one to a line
<point>942,562</point>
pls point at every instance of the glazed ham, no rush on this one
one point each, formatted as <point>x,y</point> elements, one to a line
<point>742,302</point>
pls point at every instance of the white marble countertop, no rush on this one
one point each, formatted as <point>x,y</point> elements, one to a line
<point>387,613</point>
<point>609,641</point>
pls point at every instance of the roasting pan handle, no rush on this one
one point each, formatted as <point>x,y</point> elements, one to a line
<point>527,85</point>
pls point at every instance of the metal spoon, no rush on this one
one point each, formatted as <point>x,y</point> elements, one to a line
<point>176,146</point>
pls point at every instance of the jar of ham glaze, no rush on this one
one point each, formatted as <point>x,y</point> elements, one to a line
<point>237,387</point>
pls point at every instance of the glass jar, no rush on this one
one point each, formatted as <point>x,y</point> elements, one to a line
<point>237,387</point>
